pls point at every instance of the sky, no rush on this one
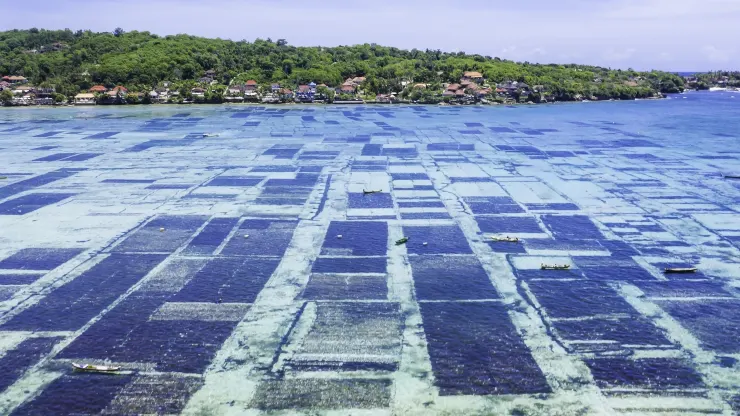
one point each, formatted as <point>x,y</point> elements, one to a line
<point>674,35</point>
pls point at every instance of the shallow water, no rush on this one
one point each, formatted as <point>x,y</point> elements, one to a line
<point>248,273</point>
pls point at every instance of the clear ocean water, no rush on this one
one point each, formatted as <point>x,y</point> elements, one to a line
<point>230,261</point>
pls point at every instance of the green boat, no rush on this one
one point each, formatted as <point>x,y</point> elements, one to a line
<point>402,241</point>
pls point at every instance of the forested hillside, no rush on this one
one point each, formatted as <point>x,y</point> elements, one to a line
<point>75,61</point>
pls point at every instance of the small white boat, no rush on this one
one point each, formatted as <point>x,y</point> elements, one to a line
<point>210,134</point>
<point>91,368</point>
<point>717,89</point>
<point>555,266</point>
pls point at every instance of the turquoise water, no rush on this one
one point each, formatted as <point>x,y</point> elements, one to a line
<point>228,260</point>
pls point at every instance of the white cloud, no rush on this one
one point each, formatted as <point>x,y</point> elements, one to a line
<point>716,55</point>
<point>614,55</point>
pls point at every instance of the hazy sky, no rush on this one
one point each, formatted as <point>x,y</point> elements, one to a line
<point>679,35</point>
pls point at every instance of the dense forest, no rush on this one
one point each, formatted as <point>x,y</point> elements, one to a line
<point>75,61</point>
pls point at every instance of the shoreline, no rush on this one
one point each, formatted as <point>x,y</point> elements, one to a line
<point>341,104</point>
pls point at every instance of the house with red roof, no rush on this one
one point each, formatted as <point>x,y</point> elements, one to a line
<point>16,79</point>
<point>98,89</point>
<point>473,76</point>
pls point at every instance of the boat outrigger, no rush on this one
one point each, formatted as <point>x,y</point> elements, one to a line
<point>371,192</point>
<point>554,266</point>
<point>680,270</point>
<point>95,368</point>
<point>506,239</point>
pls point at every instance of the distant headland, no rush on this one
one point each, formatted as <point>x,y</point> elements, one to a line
<point>46,67</point>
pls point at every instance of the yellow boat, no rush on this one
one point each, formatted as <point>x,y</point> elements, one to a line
<point>506,239</point>
<point>680,270</point>
<point>555,266</point>
<point>91,368</point>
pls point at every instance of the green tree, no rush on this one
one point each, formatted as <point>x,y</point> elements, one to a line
<point>6,96</point>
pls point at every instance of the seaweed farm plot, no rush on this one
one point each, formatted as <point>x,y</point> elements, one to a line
<point>566,259</point>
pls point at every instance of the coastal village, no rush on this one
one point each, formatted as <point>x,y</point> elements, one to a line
<point>472,88</point>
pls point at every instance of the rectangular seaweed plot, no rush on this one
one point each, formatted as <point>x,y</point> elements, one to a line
<point>606,268</point>
<point>578,298</point>
<point>342,287</point>
<point>103,340</point>
<point>358,238</point>
<point>71,306</point>
<point>152,239</point>
<point>237,181</point>
<point>39,258</point>
<point>651,373</point>
<point>715,323</point>
<point>16,361</point>
<point>682,289</point>
<point>350,265</point>
<point>351,336</point>
<point>75,394</point>
<point>229,280</point>
<point>446,239</point>
<point>321,393</point>
<point>176,346</point>
<point>475,350</point>
<point>158,394</point>
<point>503,225</point>
<point>493,205</point>
<point>36,181</point>
<point>450,278</point>
<point>632,331</point>
<point>378,200</point>
<point>211,237</point>
<point>19,279</point>
<point>126,334</point>
<point>572,227</point>
<point>266,238</point>
<point>31,202</point>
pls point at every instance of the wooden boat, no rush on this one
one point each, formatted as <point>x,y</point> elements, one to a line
<point>555,266</point>
<point>371,192</point>
<point>402,241</point>
<point>95,368</point>
<point>680,270</point>
<point>506,239</point>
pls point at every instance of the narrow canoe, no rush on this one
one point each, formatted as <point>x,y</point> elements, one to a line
<point>680,270</point>
<point>506,239</point>
<point>95,368</point>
